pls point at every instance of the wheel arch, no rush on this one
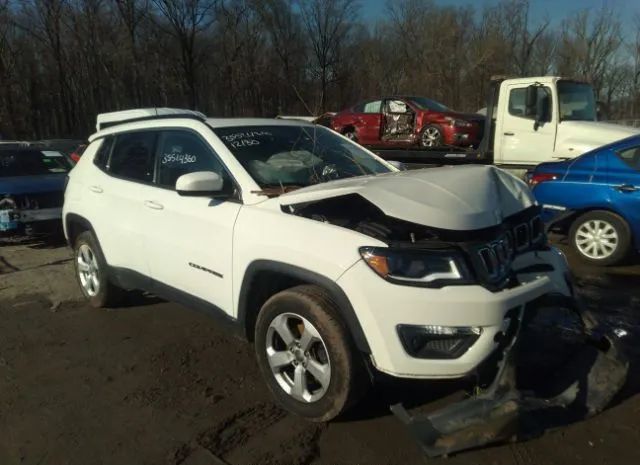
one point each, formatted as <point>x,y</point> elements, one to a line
<point>74,225</point>
<point>563,223</point>
<point>264,278</point>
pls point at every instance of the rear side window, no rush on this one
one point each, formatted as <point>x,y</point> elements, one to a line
<point>373,107</point>
<point>133,156</point>
<point>631,157</point>
<point>182,152</point>
<point>102,156</point>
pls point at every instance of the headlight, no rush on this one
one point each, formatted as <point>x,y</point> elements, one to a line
<point>459,123</point>
<point>428,268</point>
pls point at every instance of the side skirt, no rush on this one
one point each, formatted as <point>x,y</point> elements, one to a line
<point>129,279</point>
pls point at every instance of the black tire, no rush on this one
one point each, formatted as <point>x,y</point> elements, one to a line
<point>107,294</point>
<point>436,141</point>
<point>618,224</point>
<point>348,378</point>
<point>351,134</point>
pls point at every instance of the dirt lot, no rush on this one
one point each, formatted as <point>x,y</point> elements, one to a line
<point>154,383</point>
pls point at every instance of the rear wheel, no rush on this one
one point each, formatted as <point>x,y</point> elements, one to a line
<point>306,355</point>
<point>601,238</point>
<point>91,272</point>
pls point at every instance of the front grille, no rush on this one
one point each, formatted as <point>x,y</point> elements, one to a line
<point>493,259</point>
<point>496,259</point>
<point>39,200</point>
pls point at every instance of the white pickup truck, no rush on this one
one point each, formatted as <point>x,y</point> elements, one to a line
<point>528,121</point>
<point>540,119</point>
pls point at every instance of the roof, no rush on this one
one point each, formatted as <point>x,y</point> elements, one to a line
<point>229,122</point>
<point>136,119</point>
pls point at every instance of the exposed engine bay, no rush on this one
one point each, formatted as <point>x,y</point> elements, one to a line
<point>489,251</point>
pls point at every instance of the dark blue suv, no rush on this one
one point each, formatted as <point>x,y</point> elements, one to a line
<point>595,200</point>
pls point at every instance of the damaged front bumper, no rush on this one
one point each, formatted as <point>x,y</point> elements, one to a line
<point>505,411</point>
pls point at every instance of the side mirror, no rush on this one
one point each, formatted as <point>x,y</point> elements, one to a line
<point>199,183</point>
<point>398,164</point>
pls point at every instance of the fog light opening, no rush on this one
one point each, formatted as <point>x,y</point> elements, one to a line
<point>437,342</point>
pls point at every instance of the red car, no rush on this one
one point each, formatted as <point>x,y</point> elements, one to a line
<point>408,122</point>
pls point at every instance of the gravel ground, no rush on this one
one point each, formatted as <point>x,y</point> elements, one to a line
<point>154,383</point>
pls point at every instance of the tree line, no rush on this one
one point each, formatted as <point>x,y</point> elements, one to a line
<point>64,61</point>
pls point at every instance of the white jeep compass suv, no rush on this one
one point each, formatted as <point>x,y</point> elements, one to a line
<point>333,262</point>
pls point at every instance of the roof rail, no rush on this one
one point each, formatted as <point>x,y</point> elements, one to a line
<point>106,120</point>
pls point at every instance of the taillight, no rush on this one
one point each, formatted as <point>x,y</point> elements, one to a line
<point>537,178</point>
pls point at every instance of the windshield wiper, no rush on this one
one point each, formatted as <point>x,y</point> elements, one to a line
<point>276,190</point>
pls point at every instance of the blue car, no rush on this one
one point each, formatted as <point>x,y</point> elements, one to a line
<point>594,199</point>
<point>32,186</point>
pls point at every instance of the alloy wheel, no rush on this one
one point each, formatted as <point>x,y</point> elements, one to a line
<point>298,357</point>
<point>597,239</point>
<point>431,137</point>
<point>88,270</point>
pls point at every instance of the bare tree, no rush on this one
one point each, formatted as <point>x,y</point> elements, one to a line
<point>63,61</point>
<point>132,13</point>
<point>327,24</point>
<point>588,46</point>
<point>187,20</point>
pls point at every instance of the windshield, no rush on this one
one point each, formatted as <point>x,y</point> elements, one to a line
<point>299,156</point>
<point>428,104</point>
<point>577,102</point>
<point>32,163</point>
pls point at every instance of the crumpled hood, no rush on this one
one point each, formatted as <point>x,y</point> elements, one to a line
<point>457,198</point>
<point>577,137</point>
<point>32,184</point>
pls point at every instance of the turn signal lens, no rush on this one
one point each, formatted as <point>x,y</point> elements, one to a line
<point>378,263</point>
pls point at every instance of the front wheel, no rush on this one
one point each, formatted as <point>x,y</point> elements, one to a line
<point>306,355</point>
<point>601,238</point>
<point>431,136</point>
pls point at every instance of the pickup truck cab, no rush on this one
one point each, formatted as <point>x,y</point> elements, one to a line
<point>539,119</point>
<point>333,262</point>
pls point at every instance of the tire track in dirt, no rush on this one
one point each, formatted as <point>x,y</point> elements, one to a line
<point>255,435</point>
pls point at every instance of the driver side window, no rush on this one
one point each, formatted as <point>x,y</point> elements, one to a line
<point>182,152</point>
<point>517,103</point>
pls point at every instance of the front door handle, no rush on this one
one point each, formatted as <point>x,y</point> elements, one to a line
<point>96,189</point>
<point>509,134</point>
<point>153,205</point>
<point>626,188</point>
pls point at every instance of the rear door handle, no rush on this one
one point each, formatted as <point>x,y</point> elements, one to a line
<point>96,189</point>
<point>509,134</point>
<point>626,188</point>
<point>153,205</point>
